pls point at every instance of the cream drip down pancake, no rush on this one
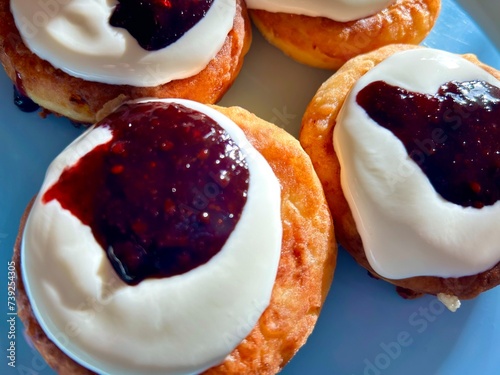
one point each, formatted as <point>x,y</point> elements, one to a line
<point>166,206</point>
<point>410,166</point>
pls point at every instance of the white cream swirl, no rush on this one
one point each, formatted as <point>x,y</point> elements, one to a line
<point>337,10</point>
<point>407,228</point>
<point>177,325</point>
<point>76,37</point>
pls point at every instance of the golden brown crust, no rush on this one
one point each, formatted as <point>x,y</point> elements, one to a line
<point>308,259</point>
<point>324,43</point>
<point>316,136</point>
<point>80,100</point>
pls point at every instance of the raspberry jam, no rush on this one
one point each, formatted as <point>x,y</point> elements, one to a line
<point>156,24</point>
<point>161,197</point>
<point>454,135</point>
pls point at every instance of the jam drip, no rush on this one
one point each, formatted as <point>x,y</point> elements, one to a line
<point>163,195</point>
<point>156,24</point>
<point>453,135</point>
<point>21,99</point>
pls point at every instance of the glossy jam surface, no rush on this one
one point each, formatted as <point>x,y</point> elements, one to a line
<point>163,195</point>
<point>453,135</point>
<point>155,24</point>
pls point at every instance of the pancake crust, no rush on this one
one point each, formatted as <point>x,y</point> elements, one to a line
<point>316,136</point>
<point>324,43</point>
<point>80,100</point>
<point>307,263</point>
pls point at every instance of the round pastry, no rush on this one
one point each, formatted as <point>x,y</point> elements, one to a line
<point>325,34</point>
<point>175,238</point>
<point>405,142</point>
<point>73,57</point>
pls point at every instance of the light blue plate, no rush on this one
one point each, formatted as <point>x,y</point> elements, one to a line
<point>365,327</point>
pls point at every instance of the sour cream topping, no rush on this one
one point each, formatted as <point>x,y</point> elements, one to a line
<point>76,37</point>
<point>337,10</point>
<point>407,228</point>
<point>178,325</point>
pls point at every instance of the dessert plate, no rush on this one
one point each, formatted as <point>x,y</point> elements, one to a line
<point>365,328</point>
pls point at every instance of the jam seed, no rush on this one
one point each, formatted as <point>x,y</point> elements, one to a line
<point>475,187</point>
<point>117,169</point>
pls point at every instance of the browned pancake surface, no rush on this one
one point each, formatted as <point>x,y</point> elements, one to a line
<point>324,43</point>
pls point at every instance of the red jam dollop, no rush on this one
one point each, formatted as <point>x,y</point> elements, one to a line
<point>163,195</point>
<point>454,135</point>
<point>156,24</point>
